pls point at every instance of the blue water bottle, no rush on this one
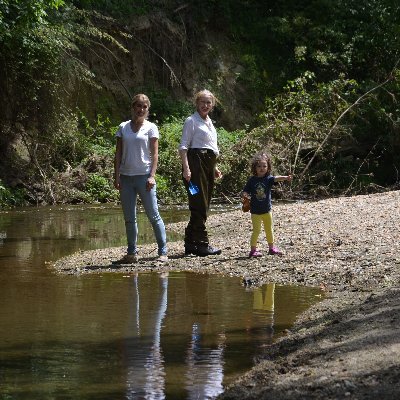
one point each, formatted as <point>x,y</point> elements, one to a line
<point>193,189</point>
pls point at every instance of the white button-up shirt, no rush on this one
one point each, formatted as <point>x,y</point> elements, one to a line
<point>198,133</point>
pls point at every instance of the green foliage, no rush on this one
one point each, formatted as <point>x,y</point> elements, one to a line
<point>165,108</point>
<point>23,15</point>
<point>11,197</point>
<point>116,8</point>
<point>170,186</point>
<point>39,42</point>
<point>236,150</point>
<point>253,76</point>
<point>99,134</point>
<point>305,62</point>
<point>99,189</point>
<point>321,132</point>
<point>165,193</point>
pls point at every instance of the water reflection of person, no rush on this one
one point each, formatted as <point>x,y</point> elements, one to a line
<point>205,364</point>
<point>265,302</point>
<point>146,374</point>
<point>264,306</point>
<point>205,367</point>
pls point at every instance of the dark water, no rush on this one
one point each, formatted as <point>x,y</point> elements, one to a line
<point>113,336</point>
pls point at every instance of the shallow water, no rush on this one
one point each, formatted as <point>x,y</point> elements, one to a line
<point>114,336</point>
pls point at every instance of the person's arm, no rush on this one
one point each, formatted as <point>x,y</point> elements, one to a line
<point>151,180</point>
<point>117,163</point>
<point>186,140</point>
<point>187,174</point>
<point>246,192</point>
<point>217,172</point>
<point>281,178</point>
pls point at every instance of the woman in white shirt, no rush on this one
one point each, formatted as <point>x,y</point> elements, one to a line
<point>198,151</point>
<point>135,167</point>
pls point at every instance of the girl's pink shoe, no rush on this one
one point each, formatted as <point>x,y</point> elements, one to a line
<point>274,251</point>
<point>255,253</point>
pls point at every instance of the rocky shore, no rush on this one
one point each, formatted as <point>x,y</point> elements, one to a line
<point>348,345</point>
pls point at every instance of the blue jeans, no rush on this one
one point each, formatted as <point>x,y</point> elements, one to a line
<point>131,186</point>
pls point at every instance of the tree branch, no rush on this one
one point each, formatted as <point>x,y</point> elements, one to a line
<point>361,98</point>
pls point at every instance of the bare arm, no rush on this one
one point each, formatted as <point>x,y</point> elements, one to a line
<point>217,173</point>
<point>281,178</point>
<point>154,163</point>
<point>187,174</point>
<point>117,163</point>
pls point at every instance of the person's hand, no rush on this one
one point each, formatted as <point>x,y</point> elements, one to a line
<point>217,173</point>
<point>150,183</point>
<point>117,184</point>
<point>187,174</point>
<point>245,202</point>
<point>289,178</point>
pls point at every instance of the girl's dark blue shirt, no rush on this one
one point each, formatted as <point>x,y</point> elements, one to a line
<point>260,191</point>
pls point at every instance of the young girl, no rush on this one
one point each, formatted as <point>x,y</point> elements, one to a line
<point>258,189</point>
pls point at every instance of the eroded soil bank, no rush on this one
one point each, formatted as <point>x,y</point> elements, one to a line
<point>347,346</point>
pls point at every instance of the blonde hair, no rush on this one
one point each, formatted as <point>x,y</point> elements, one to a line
<point>204,93</point>
<point>140,97</point>
<point>261,156</point>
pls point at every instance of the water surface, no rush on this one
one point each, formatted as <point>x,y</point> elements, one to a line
<point>114,336</point>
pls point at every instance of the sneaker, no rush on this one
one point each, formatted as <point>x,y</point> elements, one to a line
<point>163,258</point>
<point>127,259</point>
<point>274,251</point>
<point>255,253</point>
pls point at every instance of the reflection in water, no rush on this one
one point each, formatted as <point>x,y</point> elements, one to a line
<point>146,376</point>
<point>205,348</point>
<point>205,370</point>
<point>34,236</point>
<point>264,300</point>
<point>192,345</point>
<point>264,306</point>
<point>176,336</point>
<point>145,363</point>
<point>181,336</point>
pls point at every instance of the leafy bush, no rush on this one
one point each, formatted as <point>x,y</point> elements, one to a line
<point>11,197</point>
<point>169,165</point>
<point>99,188</point>
<point>165,108</point>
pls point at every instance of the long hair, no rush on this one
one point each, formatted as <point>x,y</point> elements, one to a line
<point>261,156</point>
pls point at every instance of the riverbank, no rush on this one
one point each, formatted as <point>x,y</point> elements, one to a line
<point>346,346</point>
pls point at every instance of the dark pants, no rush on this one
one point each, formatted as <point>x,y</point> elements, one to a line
<point>202,166</point>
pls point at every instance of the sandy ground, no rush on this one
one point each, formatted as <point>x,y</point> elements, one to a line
<point>348,345</point>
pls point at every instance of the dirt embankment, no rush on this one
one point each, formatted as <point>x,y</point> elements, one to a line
<point>347,346</point>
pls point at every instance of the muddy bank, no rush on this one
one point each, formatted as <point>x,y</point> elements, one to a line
<point>346,346</point>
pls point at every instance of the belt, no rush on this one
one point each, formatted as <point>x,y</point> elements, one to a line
<point>203,151</point>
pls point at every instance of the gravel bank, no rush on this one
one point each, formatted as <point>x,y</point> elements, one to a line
<point>347,346</point>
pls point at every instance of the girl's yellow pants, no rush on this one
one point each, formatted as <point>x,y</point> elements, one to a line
<point>257,220</point>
